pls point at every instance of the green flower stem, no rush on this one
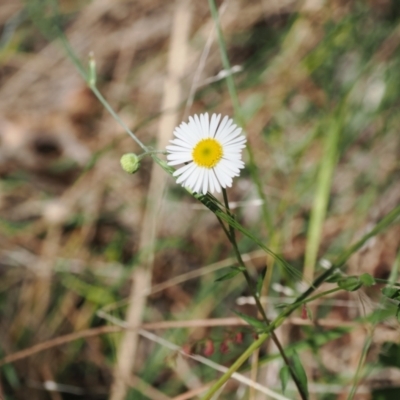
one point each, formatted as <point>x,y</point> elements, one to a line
<point>226,64</point>
<point>90,78</point>
<point>232,238</point>
<point>150,153</point>
<point>316,296</point>
<point>235,366</point>
<point>116,117</point>
<point>239,115</point>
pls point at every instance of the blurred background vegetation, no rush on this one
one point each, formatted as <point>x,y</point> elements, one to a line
<point>319,87</point>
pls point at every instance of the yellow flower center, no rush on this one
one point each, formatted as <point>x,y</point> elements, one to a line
<point>207,153</point>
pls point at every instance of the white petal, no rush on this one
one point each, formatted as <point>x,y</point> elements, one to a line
<point>181,143</point>
<point>175,162</point>
<point>184,172</point>
<point>233,165</point>
<point>232,155</point>
<point>214,123</point>
<point>177,149</point>
<point>192,179</point>
<point>230,169</point>
<point>192,128</point>
<point>235,155</point>
<point>214,182</point>
<point>199,180</point>
<point>211,188</point>
<point>233,139</point>
<point>235,147</point>
<point>187,137</point>
<point>179,157</point>
<point>233,150</point>
<point>233,168</point>
<point>195,126</point>
<point>205,181</point>
<point>228,132</point>
<point>232,133</point>
<point>205,124</point>
<point>238,165</point>
<point>223,179</point>
<point>221,126</point>
<point>181,154</point>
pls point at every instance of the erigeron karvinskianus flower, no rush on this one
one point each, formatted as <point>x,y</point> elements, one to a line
<point>211,150</point>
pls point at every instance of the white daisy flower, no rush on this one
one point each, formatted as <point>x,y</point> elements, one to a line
<point>211,150</point>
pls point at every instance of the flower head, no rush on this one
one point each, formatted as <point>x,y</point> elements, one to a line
<point>211,150</point>
<point>130,163</point>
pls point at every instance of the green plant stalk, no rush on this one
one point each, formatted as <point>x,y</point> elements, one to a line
<point>266,283</point>
<point>117,118</point>
<point>239,115</point>
<point>90,78</point>
<point>303,298</point>
<point>225,62</point>
<point>232,238</point>
<point>210,204</point>
<point>319,209</point>
<point>256,178</point>
<point>266,213</point>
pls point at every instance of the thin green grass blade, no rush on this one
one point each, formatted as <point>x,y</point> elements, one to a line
<point>321,198</point>
<point>267,216</point>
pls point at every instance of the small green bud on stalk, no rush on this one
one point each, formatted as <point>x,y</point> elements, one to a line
<point>130,163</point>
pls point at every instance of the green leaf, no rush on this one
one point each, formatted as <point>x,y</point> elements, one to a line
<point>391,292</point>
<point>334,278</point>
<point>11,375</point>
<point>367,279</point>
<point>350,283</point>
<point>256,323</point>
<point>95,294</point>
<point>281,306</point>
<point>260,281</point>
<point>284,374</point>
<point>300,373</point>
<point>229,275</point>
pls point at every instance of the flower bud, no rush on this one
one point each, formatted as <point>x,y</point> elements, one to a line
<point>130,163</point>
